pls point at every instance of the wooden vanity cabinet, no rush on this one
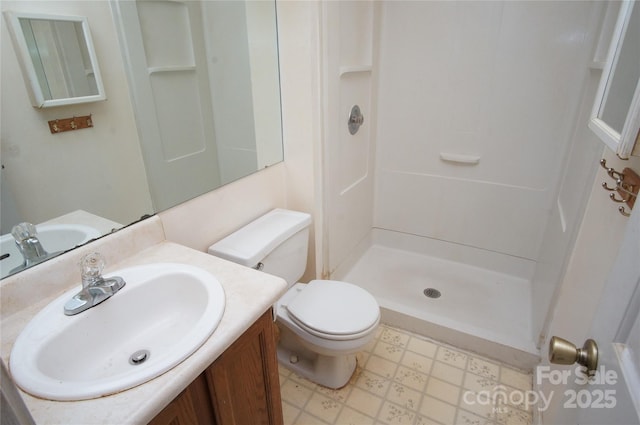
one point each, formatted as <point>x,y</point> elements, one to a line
<point>192,406</point>
<point>240,387</point>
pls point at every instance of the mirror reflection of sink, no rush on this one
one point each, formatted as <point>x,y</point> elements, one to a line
<point>53,237</point>
<point>163,314</point>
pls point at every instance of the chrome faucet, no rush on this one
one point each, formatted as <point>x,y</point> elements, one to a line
<point>95,288</point>
<point>29,246</point>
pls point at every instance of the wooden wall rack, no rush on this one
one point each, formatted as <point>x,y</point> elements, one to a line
<point>68,124</point>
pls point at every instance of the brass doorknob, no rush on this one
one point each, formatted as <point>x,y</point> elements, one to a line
<point>562,351</point>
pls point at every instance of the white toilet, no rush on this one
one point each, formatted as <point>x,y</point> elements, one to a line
<point>324,323</point>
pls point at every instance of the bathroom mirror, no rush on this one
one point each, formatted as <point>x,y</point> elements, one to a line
<point>615,117</point>
<point>57,58</point>
<point>205,89</point>
<point>99,177</point>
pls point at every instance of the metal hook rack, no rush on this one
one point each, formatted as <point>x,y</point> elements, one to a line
<point>627,186</point>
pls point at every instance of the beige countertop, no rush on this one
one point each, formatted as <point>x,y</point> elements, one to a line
<point>248,293</point>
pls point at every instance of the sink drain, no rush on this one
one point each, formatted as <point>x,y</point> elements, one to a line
<point>432,293</point>
<point>139,357</point>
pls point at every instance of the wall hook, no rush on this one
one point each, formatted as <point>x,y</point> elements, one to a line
<point>627,187</point>
<point>611,171</point>
<point>614,199</point>
<point>615,175</point>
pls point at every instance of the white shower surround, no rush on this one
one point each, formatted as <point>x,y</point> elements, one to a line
<point>503,81</point>
<point>500,80</point>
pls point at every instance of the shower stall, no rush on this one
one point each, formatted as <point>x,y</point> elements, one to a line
<point>457,201</point>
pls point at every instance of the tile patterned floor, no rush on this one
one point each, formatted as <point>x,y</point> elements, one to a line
<point>403,378</point>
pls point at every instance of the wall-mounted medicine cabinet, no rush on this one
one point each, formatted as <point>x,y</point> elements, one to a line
<point>615,117</point>
<point>57,58</point>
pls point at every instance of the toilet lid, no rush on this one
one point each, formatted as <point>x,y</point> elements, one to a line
<point>334,308</point>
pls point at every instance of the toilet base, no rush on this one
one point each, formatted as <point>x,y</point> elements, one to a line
<point>329,371</point>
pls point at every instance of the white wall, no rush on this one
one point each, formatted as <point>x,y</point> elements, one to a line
<point>496,80</point>
<point>40,166</point>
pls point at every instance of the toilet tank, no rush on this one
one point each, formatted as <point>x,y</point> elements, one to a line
<point>275,243</point>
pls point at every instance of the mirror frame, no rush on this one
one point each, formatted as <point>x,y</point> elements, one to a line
<point>28,68</point>
<point>621,143</point>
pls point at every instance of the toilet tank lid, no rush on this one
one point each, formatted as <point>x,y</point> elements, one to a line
<point>253,242</point>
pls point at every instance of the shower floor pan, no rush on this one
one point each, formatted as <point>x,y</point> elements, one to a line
<point>477,309</point>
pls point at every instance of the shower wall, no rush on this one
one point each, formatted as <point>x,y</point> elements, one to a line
<point>348,36</point>
<point>476,105</point>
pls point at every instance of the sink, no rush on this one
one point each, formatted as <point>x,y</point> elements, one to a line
<point>53,237</point>
<point>164,313</point>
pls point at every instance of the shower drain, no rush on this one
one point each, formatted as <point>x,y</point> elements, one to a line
<point>432,293</point>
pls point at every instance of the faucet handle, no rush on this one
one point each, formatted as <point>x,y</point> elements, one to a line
<point>91,266</point>
<point>28,244</point>
<point>23,231</point>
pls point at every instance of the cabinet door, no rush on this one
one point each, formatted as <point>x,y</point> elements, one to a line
<point>244,383</point>
<point>191,407</point>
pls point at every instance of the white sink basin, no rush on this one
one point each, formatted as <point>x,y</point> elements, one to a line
<point>53,237</point>
<point>167,309</point>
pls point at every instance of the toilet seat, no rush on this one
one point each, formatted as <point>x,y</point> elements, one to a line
<point>334,310</point>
